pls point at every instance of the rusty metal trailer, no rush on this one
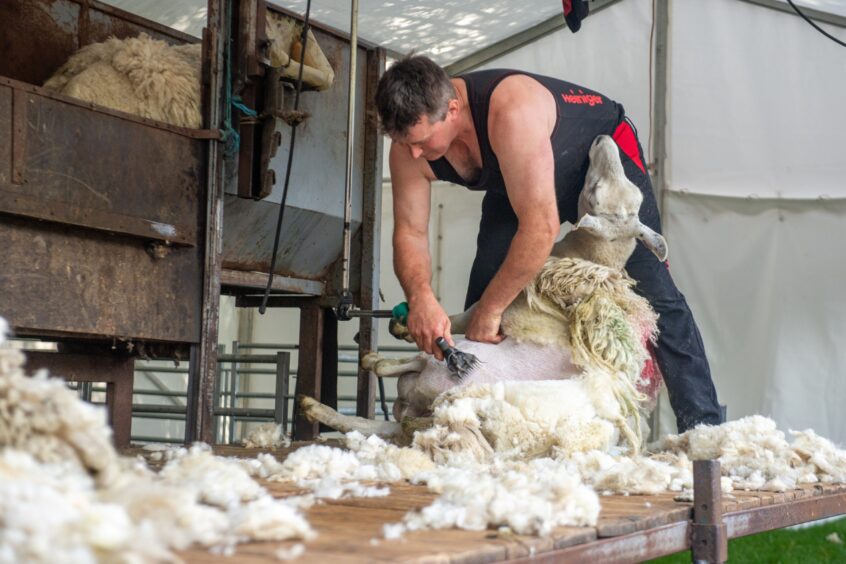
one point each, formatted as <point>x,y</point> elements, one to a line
<point>120,232</point>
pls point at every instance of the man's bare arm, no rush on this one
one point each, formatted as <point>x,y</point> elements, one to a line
<point>521,121</point>
<point>411,186</point>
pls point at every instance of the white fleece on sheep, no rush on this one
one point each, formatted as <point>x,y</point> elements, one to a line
<point>521,420</point>
<point>138,75</point>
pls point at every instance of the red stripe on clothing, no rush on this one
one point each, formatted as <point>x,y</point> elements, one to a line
<point>568,6</point>
<point>625,138</point>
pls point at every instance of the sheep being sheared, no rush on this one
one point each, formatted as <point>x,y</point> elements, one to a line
<point>579,321</point>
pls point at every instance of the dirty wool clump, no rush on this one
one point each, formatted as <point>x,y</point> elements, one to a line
<point>267,435</point>
<point>67,496</point>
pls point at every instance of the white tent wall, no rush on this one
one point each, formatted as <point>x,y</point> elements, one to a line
<point>755,125</point>
<point>756,102</point>
<point>610,54</point>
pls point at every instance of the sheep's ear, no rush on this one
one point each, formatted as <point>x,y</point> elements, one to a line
<point>592,225</point>
<point>655,242</point>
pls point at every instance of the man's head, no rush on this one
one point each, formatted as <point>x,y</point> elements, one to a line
<point>414,97</point>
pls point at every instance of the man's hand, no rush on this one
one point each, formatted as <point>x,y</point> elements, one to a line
<point>485,327</point>
<point>427,321</point>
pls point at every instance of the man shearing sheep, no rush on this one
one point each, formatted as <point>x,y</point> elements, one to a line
<point>523,139</point>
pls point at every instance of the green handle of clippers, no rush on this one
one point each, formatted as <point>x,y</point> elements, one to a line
<point>400,313</point>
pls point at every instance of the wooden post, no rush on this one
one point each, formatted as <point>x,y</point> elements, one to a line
<point>709,541</point>
<point>309,367</point>
<point>117,372</point>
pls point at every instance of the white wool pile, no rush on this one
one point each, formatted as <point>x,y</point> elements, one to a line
<point>138,75</point>
<point>520,420</point>
<point>529,498</point>
<point>633,475</point>
<point>752,452</point>
<point>66,495</point>
<point>267,435</point>
<point>830,461</point>
<point>43,417</point>
<point>334,473</point>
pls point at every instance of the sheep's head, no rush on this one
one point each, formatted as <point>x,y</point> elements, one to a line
<point>610,202</point>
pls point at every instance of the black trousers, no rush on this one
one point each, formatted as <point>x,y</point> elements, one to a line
<point>680,352</point>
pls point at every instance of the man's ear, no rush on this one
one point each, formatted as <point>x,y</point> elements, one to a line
<point>453,107</point>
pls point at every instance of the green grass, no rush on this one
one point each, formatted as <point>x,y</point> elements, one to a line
<point>782,546</point>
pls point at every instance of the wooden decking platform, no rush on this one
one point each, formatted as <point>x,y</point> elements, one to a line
<point>630,528</point>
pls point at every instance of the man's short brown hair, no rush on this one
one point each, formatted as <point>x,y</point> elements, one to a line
<point>411,88</point>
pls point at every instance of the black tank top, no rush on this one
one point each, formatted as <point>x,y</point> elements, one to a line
<point>582,115</point>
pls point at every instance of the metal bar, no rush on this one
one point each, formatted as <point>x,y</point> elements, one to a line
<point>256,359</point>
<point>217,386</point>
<point>631,548</point>
<point>759,519</point>
<point>206,368</point>
<point>163,370</point>
<point>233,391</point>
<point>192,415</point>
<point>329,364</point>
<point>659,115</point>
<point>517,40</point>
<point>104,220</point>
<point>819,15</point>
<point>370,236</point>
<point>709,537</point>
<point>345,265</point>
<point>19,101</point>
<point>119,404</point>
<point>283,366</point>
<point>211,134</point>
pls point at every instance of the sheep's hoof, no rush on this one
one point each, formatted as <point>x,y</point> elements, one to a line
<point>368,361</point>
<point>307,405</point>
<point>399,330</point>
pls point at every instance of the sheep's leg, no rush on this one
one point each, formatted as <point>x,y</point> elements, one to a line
<point>316,411</point>
<point>459,321</point>
<point>388,367</point>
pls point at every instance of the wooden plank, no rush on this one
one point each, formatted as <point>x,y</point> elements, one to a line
<point>622,515</point>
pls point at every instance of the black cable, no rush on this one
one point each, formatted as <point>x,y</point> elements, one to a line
<point>815,26</point>
<point>304,40</point>
<point>382,398</point>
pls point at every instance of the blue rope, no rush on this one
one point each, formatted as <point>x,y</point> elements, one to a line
<point>229,135</point>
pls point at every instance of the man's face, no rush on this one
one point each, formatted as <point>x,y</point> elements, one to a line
<point>428,140</point>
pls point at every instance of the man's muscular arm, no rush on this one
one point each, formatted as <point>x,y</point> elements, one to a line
<point>521,120</point>
<point>411,185</point>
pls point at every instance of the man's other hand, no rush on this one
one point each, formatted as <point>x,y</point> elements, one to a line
<point>485,327</point>
<point>427,321</point>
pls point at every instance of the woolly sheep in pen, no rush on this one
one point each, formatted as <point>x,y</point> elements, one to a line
<point>153,79</point>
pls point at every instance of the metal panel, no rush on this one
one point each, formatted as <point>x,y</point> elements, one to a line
<point>312,232</point>
<point>65,281</point>
<point>308,245</point>
<point>75,169</point>
<point>36,38</point>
